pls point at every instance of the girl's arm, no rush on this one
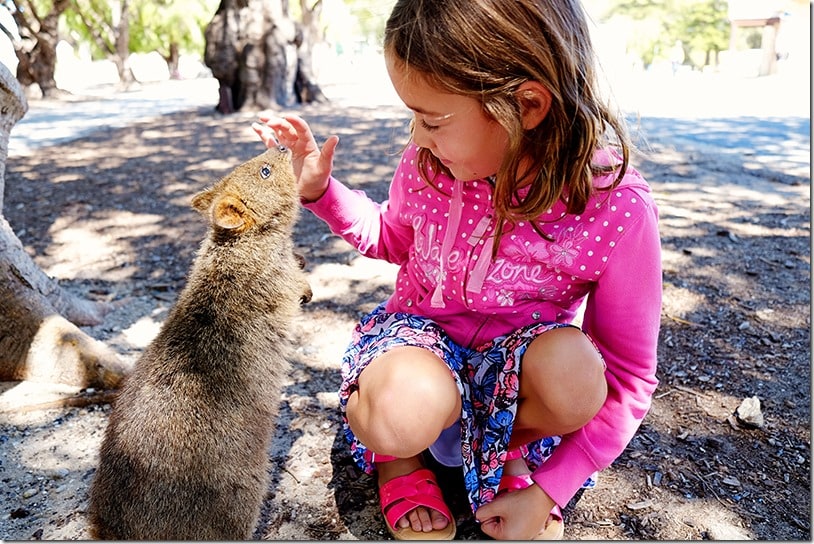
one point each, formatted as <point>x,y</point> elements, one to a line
<point>372,228</point>
<point>622,316</point>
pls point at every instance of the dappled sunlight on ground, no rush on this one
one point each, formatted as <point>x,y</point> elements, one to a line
<point>109,216</point>
<point>104,243</point>
<point>16,394</point>
<point>142,332</point>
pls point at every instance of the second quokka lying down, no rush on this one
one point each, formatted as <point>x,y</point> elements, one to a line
<point>185,454</point>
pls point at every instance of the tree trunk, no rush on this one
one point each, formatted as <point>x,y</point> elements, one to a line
<point>222,37</point>
<point>254,51</point>
<point>310,34</point>
<point>122,56</point>
<point>38,51</point>
<point>36,342</point>
<point>276,66</point>
<point>173,60</point>
<point>305,83</point>
<point>768,46</point>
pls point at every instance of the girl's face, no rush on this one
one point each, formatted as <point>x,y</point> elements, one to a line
<point>453,127</point>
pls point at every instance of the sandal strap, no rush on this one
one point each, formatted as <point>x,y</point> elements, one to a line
<point>379,458</point>
<point>405,493</point>
<point>510,482</point>
<point>517,453</point>
<point>554,527</point>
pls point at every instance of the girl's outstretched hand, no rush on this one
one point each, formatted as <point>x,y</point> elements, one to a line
<point>312,165</point>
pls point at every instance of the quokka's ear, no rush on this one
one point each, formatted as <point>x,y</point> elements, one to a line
<point>203,200</point>
<point>229,212</point>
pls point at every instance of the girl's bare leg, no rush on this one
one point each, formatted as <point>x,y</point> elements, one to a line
<point>405,398</point>
<point>562,386</point>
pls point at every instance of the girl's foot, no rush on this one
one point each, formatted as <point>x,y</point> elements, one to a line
<point>412,501</point>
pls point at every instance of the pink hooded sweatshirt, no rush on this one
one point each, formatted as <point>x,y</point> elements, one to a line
<point>610,253</point>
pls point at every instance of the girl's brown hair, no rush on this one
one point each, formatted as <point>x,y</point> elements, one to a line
<point>486,49</point>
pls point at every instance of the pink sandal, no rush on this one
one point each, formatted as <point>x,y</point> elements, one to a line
<point>405,493</point>
<point>554,528</point>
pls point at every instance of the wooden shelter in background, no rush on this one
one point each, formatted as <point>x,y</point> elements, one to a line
<point>756,14</point>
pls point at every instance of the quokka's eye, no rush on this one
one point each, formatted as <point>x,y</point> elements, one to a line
<point>265,171</point>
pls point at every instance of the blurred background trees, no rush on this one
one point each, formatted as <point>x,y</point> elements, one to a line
<point>700,27</point>
<point>261,51</point>
<point>104,29</point>
<point>266,51</point>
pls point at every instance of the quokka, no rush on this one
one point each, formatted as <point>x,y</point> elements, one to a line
<point>185,453</point>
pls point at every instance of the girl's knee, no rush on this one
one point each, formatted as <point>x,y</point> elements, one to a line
<point>563,372</point>
<point>405,399</point>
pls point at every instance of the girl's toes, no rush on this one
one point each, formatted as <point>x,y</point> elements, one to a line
<point>438,520</point>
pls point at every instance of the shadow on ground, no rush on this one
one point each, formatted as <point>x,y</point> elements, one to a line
<point>109,216</point>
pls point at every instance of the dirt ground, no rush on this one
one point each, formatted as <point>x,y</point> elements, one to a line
<point>109,216</point>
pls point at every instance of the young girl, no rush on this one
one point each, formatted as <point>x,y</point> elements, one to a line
<point>512,205</point>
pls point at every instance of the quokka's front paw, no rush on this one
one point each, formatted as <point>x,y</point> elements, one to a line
<point>305,287</point>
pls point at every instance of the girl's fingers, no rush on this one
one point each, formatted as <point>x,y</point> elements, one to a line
<point>326,156</point>
<point>293,125</point>
<point>299,125</point>
<point>278,129</point>
<point>266,134</point>
<point>293,132</point>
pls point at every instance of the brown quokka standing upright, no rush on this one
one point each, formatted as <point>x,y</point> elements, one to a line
<point>185,454</point>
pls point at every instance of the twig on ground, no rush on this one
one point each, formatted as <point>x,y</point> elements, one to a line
<point>683,390</point>
<point>292,475</point>
<point>683,321</point>
<point>709,487</point>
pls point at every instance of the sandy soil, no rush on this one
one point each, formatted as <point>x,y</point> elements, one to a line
<point>108,215</point>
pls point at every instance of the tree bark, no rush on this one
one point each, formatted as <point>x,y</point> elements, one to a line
<point>258,55</point>
<point>122,56</point>
<point>309,34</point>
<point>173,60</point>
<point>38,51</point>
<point>39,339</point>
<point>222,38</point>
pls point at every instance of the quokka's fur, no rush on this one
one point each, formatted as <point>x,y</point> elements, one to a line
<point>185,454</point>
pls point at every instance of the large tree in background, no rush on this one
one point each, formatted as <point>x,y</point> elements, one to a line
<point>110,29</point>
<point>305,86</point>
<point>253,49</point>
<point>704,29</point>
<point>38,23</point>
<point>107,28</point>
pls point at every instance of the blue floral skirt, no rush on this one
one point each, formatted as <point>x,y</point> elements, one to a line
<point>488,381</point>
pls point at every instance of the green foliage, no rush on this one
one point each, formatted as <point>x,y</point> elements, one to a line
<point>91,22</point>
<point>701,25</point>
<point>371,16</point>
<point>156,24</point>
<point>153,25</point>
